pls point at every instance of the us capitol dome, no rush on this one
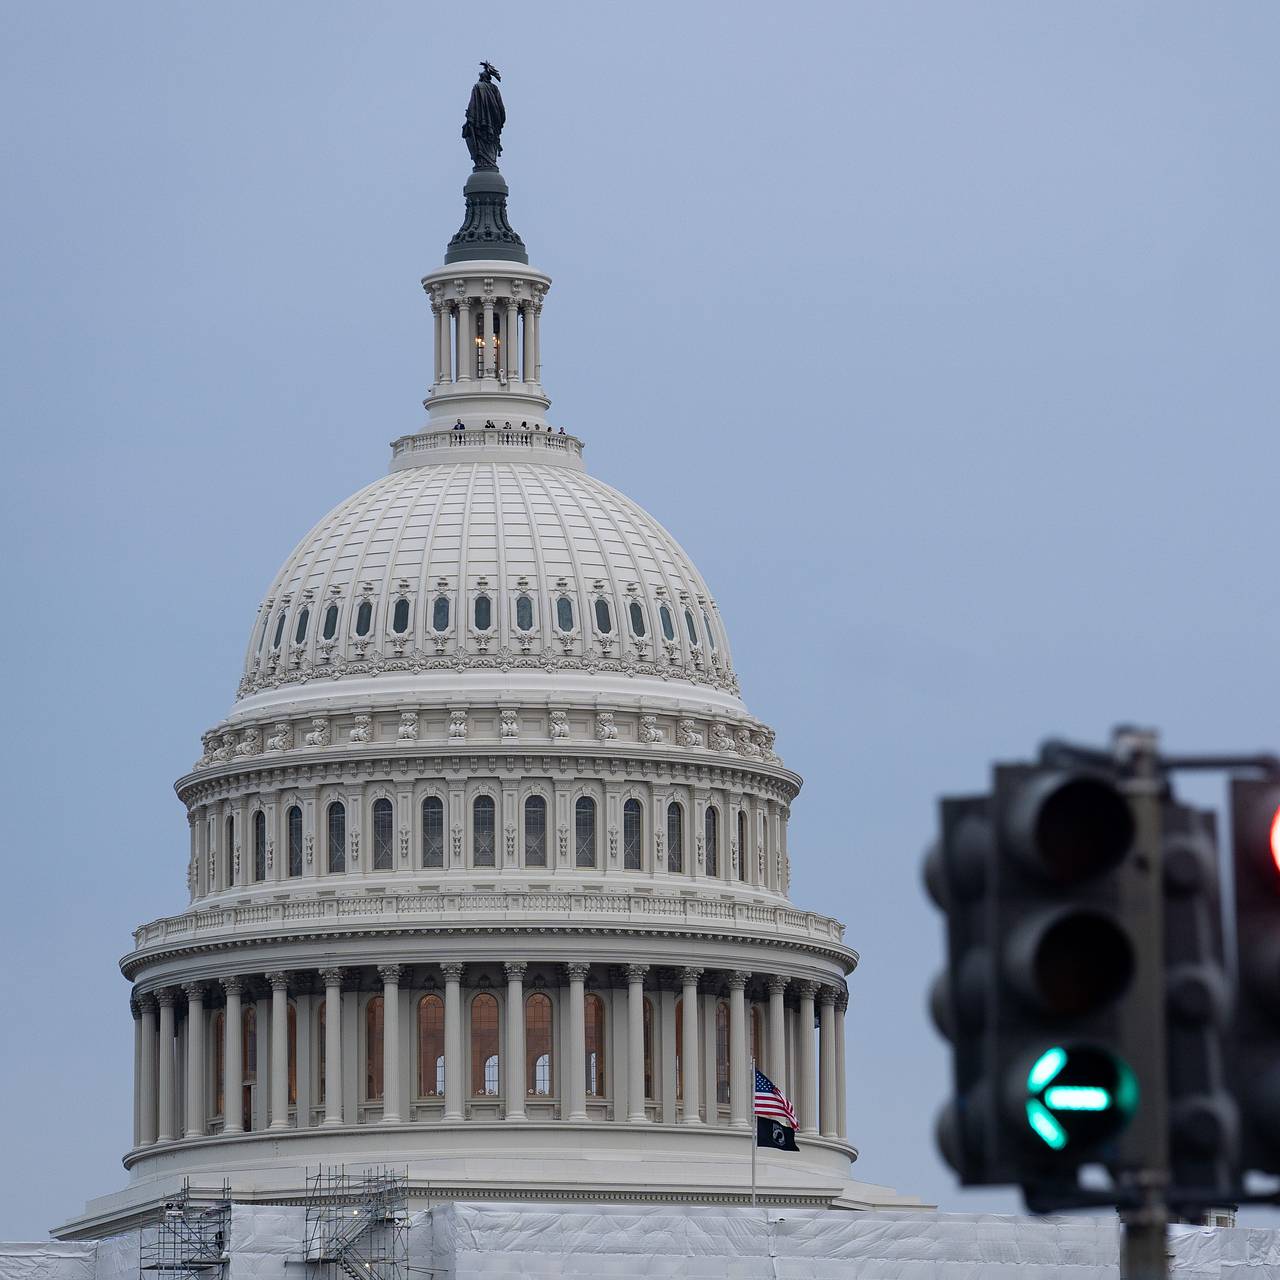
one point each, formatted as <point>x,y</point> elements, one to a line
<point>488,862</point>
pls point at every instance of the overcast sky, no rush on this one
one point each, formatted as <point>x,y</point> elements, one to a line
<point>943,336</point>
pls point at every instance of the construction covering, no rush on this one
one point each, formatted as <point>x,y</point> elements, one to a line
<point>476,1241</point>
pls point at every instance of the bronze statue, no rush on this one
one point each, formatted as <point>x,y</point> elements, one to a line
<point>485,117</point>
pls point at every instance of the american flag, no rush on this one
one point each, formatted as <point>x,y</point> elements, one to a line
<point>771,1102</point>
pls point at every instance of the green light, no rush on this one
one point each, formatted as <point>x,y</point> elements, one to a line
<point>1046,1067</point>
<point>1051,1133</point>
<point>1127,1091</point>
<point>1076,1097</point>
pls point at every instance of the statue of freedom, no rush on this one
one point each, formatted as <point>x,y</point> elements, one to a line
<point>485,117</point>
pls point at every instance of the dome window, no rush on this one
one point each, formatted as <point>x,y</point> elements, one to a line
<point>632,834</point>
<point>535,832</point>
<point>524,613</point>
<point>483,827</point>
<point>584,828</point>
<point>604,619</point>
<point>300,631</point>
<point>483,613</point>
<point>691,627</point>
<point>262,634</point>
<point>713,840</point>
<point>400,617</point>
<point>337,825</point>
<point>668,625</point>
<point>293,820</point>
<point>433,832</point>
<point>364,618</point>
<point>330,628</point>
<point>259,845</point>
<point>564,613</point>
<point>711,635</point>
<point>275,643</point>
<point>440,614</point>
<point>383,835</point>
<point>675,837</point>
<point>637,618</point>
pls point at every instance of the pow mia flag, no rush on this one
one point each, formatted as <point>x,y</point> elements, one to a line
<point>773,1133</point>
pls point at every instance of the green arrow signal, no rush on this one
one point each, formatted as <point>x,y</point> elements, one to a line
<point>1081,1081</point>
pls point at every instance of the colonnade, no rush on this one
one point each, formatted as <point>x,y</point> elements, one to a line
<point>665,1035</point>
<point>463,355</point>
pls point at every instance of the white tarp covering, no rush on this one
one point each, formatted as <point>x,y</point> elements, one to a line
<point>475,1241</point>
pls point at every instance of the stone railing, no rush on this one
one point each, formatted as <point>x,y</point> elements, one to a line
<point>486,438</point>
<point>740,919</point>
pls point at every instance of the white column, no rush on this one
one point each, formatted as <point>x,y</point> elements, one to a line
<point>537,341</point>
<point>490,347</point>
<point>576,1074</point>
<point>195,1059</point>
<point>739,1111</point>
<point>689,1070</point>
<point>232,1058</point>
<point>135,1009</point>
<point>332,979</point>
<point>805,1111</point>
<point>635,1043</point>
<point>438,321</point>
<point>842,1126</point>
<point>453,1071</point>
<point>390,974</point>
<point>827,1107</point>
<point>527,311</point>
<point>165,999</point>
<point>279,1049</point>
<point>777,1068</point>
<point>513,1076</point>
<point>147,1071</point>
<point>466,341</point>
<point>510,360</point>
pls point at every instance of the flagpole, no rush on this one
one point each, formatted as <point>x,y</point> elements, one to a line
<point>752,1130</point>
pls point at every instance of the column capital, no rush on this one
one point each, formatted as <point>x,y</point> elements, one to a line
<point>135,1007</point>
<point>689,977</point>
<point>147,1002</point>
<point>827,997</point>
<point>167,997</point>
<point>514,969</point>
<point>737,979</point>
<point>635,972</point>
<point>452,970</point>
<point>233,985</point>
<point>776,984</point>
<point>194,991</point>
<point>278,979</point>
<point>390,974</point>
<point>577,970</point>
<point>805,989</point>
<point>842,999</point>
<point>331,977</point>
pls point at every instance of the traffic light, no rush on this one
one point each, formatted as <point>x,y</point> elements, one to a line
<point>1253,1053</point>
<point>1043,898</point>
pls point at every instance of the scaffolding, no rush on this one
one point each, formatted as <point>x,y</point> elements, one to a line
<point>188,1240</point>
<point>358,1224</point>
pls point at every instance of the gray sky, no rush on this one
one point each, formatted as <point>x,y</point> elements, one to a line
<point>942,335</point>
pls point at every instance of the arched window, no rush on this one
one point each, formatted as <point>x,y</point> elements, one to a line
<point>679,1050</point>
<point>373,1021</point>
<point>484,1046</point>
<point>248,1063</point>
<point>722,1052</point>
<point>400,617</point>
<point>229,853</point>
<point>430,1047</point>
<point>218,1029</point>
<point>483,832</point>
<point>537,1045</point>
<point>337,816</point>
<point>713,840</point>
<point>691,627</point>
<point>483,613</point>
<point>637,618</point>
<point>711,635</point>
<point>742,844</point>
<point>364,617</point>
<point>564,613</point>
<point>293,823</point>
<point>524,613</point>
<point>535,832</point>
<point>321,1047</point>
<point>433,832</point>
<point>291,1027</point>
<point>300,631</point>
<point>275,643</point>
<point>593,1017</point>
<point>259,845</point>
<point>383,835</point>
<point>675,837</point>
<point>330,628</point>
<point>632,835</point>
<point>648,1050</point>
<point>668,624</point>
<point>584,831</point>
<point>604,619</point>
<point>440,614</point>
